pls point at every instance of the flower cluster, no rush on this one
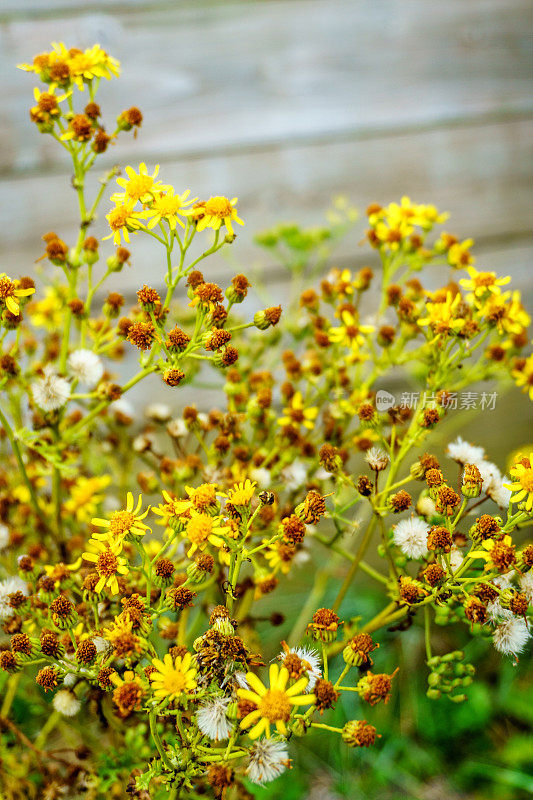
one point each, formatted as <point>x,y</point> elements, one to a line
<point>142,559</point>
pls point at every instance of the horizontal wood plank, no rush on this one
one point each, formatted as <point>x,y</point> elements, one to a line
<point>220,77</point>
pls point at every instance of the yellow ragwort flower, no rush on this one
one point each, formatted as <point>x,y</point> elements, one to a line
<point>107,563</point>
<point>168,206</point>
<point>85,497</point>
<point>218,211</point>
<point>275,704</point>
<point>524,377</point>
<point>441,317</point>
<point>10,293</point>
<point>139,186</point>
<point>128,521</point>
<point>522,486</point>
<point>481,283</point>
<point>297,414</point>
<point>241,494</point>
<point>350,333</point>
<point>173,677</point>
<point>124,220</point>
<point>202,530</point>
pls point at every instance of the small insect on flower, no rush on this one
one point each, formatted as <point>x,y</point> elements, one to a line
<point>275,704</point>
<point>268,759</point>
<point>173,677</point>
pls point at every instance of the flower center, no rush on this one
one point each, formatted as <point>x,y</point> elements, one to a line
<point>174,682</point>
<point>107,563</point>
<point>121,522</point>
<point>526,480</point>
<point>168,206</point>
<point>118,218</point>
<point>138,186</point>
<point>484,279</point>
<point>275,705</point>
<point>7,288</point>
<point>203,495</point>
<point>219,207</point>
<point>199,528</point>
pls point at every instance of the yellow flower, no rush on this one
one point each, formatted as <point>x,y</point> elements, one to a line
<point>522,487</point>
<point>279,556</point>
<point>218,211</point>
<point>48,312</point>
<point>350,332</point>
<point>92,63</point>
<point>171,510</point>
<point>489,545</point>
<point>459,254</point>
<point>202,530</point>
<point>122,523</point>
<point>480,283</point>
<point>200,497</point>
<point>85,498</point>
<point>296,414</point>
<point>123,219</point>
<point>10,293</point>
<point>505,312</point>
<point>275,704</point>
<point>242,493</point>
<point>166,206</point>
<point>141,186</point>
<point>108,564</point>
<point>524,377</point>
<point>441,316</point>
<point>173,677</point>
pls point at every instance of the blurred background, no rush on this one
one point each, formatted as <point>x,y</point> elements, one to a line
<point>285,103</point>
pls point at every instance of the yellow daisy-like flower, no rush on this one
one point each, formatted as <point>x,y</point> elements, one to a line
<point>202,530</point>
<point>505,312</point>
<point>171,510</point>
<point>350,332</point>
<point>139,186</point>
<point>242,493</point>
<point>124,220</point>
<point>480,283</point>
<point>10,293</point>
<point>522,486</point>
<point>85,497</point>
<point>279,556</point>
<point>218,211</point>
<point>489,545</point>
<point>200,497</point>
<point>168,206</point>
<point>297,414</point>
<point>47,104</point>
<point>441,317</point>
<point>173,677</point>
<point>107,563</point>
<point>275,704</point>
<point>128,521</point>
<point>459,254</point>
<point>49,311</point>
<point>91,63</point>
<point>524,377</point>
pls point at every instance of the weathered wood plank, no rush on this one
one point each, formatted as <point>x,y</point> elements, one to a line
<point>481,174</point>
<point>230,76</point>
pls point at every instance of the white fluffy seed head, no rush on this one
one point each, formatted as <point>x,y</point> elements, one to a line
<point>212,719</point>
<point>4,536</point>
<point>66,703</point>
<point>51,391</point>
<point>86,367</point>
<point>268,759</point>
<point>7,587</point>
<point>377,459</point>
<point>465,453</point>
<point>410,535</point>
<point>510,636</point>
